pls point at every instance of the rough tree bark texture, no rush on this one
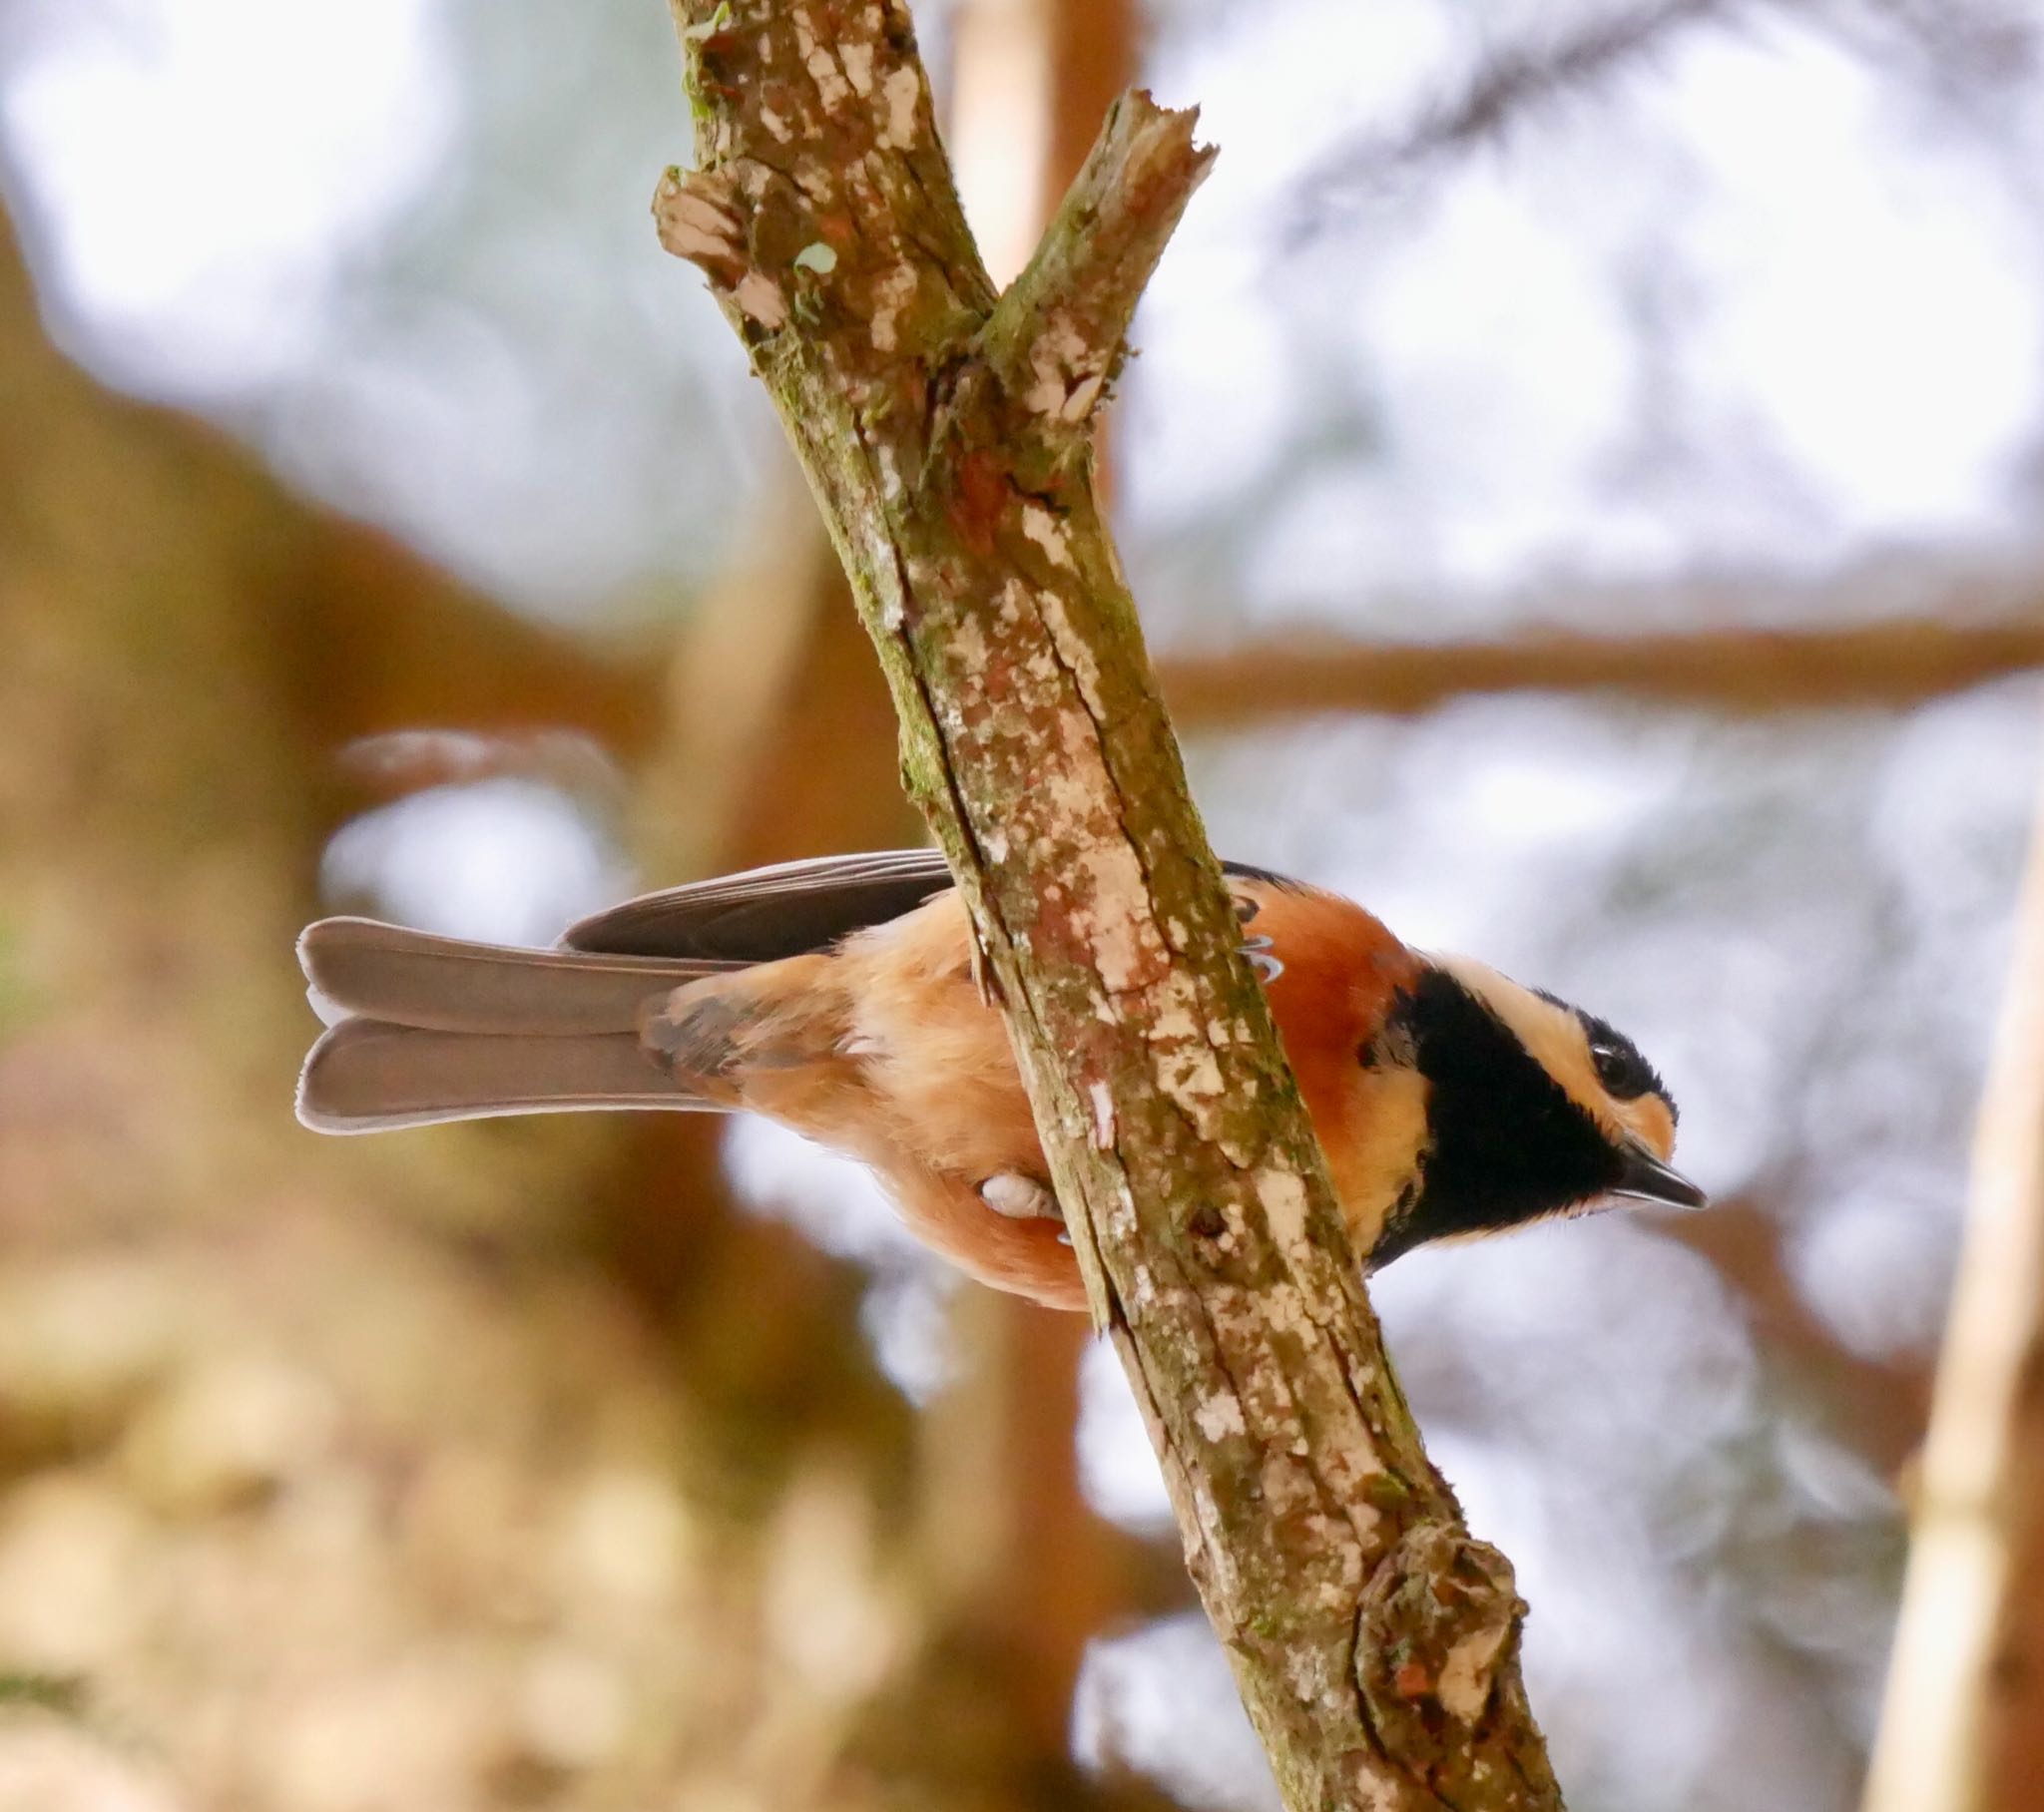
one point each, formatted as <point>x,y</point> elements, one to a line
<point>946,433</point>
<point>1963,1726</point>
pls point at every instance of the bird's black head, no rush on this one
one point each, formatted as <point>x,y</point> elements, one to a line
<point>1533,1108</point>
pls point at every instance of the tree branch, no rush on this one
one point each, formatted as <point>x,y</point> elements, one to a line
<point>1374,1642</point>
<point>1745,671</point>
<point>1962,1729</point>
<point>1515,80</point>
<point>1056,333</point>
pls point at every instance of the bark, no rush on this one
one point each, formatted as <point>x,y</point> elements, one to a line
<point>211,1323</point>
<point>1026,73</point>
<point>1962,1729</point>
<point>778,747</point>
<point>946,434</point>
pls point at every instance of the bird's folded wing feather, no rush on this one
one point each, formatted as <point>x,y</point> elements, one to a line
<point>766,914</point>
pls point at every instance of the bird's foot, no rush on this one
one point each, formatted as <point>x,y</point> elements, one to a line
<point>1020,1196</point>
<point>1258,950</point>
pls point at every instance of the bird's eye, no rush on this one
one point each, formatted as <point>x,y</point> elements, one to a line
<point>1621,1070</point>
<point>1625,1074</point>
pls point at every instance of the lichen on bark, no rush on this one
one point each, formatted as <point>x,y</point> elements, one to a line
<point>946,433</point>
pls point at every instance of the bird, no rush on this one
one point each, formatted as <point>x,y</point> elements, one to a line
<point>842,996</point>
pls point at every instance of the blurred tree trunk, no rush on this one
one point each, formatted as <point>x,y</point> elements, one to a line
<point>348,1475</point>
<point>252,1386</point>
<point>1962,1729</point>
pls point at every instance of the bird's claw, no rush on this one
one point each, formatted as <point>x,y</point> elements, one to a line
<point>1020,1198</point>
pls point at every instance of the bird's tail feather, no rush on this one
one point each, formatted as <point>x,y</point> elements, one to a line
<point>428,1028</point>
<point>366,1076</point>
<point>412,978</point>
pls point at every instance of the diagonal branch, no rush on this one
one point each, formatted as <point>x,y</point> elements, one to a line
<point>1376,1643</point>
<point>1056,334</point>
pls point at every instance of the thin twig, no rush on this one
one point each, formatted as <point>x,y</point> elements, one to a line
<point>1513,82</point>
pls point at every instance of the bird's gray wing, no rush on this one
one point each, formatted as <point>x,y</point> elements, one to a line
<point>764,914</point>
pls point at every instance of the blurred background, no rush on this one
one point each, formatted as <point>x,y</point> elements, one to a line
<point>1582,480</point>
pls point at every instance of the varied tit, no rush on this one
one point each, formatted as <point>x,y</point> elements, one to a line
<point>840,998</point>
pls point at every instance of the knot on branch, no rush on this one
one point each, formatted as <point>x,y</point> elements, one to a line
<point>1434,1634</point>
<point>707,216</point>
<point>777,251</point>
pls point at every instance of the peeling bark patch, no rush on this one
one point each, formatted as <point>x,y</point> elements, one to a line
<point>1112,916</point>
<point>901,91</point>
<point>695,223</point>
<point>1102,1097</point>
<point>1084,394</point>
<point>831,87</point>
<point>1466,1673</point>
<point>1284,1307</point>
<point>1282,1194</point>
<point>693,213</point>
<point>892,293</point>
<point>968,644</point>
<point>1175,1016</point>
<point>760,298</point>
<point>1062,359</point>
<point>1042,528</point>
<point>1311,1681</point>
<point>1192,1079</point>
<point>1220,1415</point>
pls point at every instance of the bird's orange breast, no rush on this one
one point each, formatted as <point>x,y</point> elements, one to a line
<point>1340,972</point>
<point>938,1104</point>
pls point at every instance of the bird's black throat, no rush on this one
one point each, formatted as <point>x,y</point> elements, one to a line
<point>1505,1143</point>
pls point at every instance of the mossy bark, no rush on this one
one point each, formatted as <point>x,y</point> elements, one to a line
<point>946,433</point>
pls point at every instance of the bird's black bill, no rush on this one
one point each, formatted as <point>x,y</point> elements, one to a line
<point>1646,1179</point>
